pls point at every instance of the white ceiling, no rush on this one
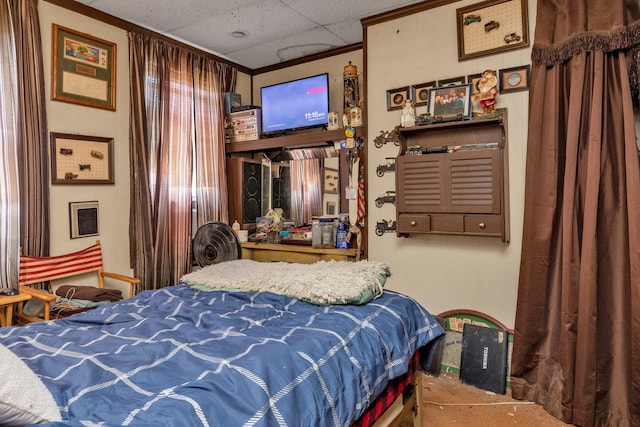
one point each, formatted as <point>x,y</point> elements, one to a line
<point>276,30</point>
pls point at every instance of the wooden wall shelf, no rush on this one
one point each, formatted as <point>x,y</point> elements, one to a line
<point>297,140</point>
<point>461,185</point>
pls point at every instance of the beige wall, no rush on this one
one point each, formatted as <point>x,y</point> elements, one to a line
<point>70,118</point>
<point>443,272</point>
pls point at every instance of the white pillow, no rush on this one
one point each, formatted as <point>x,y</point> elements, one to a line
<point>24,399</point>
<point>322,283</point>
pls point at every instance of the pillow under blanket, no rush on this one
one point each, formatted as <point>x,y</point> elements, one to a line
<point>322,283</point>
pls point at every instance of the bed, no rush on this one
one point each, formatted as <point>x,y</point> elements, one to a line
<point>228,354</point>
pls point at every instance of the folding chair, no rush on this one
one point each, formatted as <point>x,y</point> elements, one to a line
<point>34,270</point>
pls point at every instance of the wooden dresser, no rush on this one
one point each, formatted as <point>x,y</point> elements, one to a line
<point>265,252</point>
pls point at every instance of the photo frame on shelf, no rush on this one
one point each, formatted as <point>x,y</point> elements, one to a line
<point>491,26</point>
<point>452,81</point>
<point>330,208</point>
<point>83,69</point>
<point>80,159</point>
<point>330,181</point>
<point>450,101</point>
<point>83,219</point>
<point>395,98</point>
<point>420,93</point>
<point>514,79</point>
<point>473,79</point>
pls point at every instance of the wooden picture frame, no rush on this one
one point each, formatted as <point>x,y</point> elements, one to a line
<point>83,219</point>
<point>331,184</point>
<point>83,69</point>
<point>450,101</point>
<point>420,93</point>
<point>452,81</point>
<point>473,79</point>
<point>514,79</point>
<point>330,208</point>
<point>80,159</point>
<point>395,98</point>
<point>492,26</point>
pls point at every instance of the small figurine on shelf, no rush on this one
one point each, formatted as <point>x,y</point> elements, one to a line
<point>487,92</point>
<point>356,116</point>
<point>408,118</point>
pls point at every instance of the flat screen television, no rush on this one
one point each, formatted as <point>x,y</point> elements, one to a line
<point>296,104</point>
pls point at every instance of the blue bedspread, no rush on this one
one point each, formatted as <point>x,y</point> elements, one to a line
<point>181,357</point>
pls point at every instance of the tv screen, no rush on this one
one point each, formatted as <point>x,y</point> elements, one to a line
<point>296,104</point>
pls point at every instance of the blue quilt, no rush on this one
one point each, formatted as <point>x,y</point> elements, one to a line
<point>182,357</point>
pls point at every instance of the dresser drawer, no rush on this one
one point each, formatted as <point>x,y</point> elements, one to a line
<point>414,223</point>
<point>483,224</point>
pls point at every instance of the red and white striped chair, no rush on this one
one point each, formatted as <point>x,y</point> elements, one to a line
<point>34,270</point>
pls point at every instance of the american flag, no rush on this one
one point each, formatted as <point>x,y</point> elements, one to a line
<point>361,200</point>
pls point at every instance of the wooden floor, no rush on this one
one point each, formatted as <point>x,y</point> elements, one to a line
<point>448,402</point>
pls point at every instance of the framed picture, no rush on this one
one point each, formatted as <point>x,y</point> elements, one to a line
<point>473,79</point>
<point>514,79</point>
<point>330,181</point>
<point>330,208</point>
<point>420,93</point>
<point>453,81</point>
<point>450,101</point>
<point>83,219</point>
<point>395,98</point>
<point>78,159</point>
<point>83,69</point>
<point>490,27</point>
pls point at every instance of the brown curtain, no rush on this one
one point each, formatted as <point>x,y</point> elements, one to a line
<point>177,142</point>
<point>33,159</point>
<point>306,189</point>
<point>577,329</point>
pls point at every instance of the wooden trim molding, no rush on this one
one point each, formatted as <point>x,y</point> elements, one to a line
<point>309,58</point>
<point>404,11</point>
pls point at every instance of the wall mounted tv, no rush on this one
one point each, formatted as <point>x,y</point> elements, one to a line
<point>296,104</point>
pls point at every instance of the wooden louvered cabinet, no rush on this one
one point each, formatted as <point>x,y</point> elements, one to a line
<point>459,184</point>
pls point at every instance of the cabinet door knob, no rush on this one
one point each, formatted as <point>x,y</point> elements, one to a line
<point>482,225</point>
<point>413,223</point>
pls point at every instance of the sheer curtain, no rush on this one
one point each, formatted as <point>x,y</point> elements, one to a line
<point>211,184</point>
<point>306,189</point>
<point>177,142</point>
<point>9,194</point>
<point>577,330</point>
<point>24,188</point>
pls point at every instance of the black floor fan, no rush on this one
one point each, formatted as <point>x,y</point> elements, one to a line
<point>215,242</point>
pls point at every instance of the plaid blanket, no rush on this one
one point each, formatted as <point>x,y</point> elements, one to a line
<point>178,356</point>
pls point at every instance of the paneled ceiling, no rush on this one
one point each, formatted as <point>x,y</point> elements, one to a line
<point>253,33</point>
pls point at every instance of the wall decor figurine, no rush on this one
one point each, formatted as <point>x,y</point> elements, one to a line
<point>487,92</point>
<point>351,89</point>
<point>387,197</point>
<point>408,118</point>
<point>390,166</point>
<point>387,136</point>
<point>385,226</point>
